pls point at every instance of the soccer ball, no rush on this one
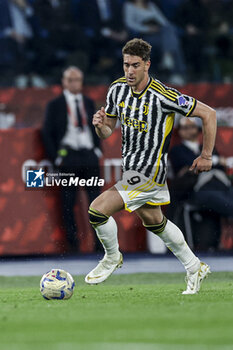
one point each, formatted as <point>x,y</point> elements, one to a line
<point>57,284</point>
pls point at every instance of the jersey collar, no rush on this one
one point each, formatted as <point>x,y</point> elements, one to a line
<point>140,94</point>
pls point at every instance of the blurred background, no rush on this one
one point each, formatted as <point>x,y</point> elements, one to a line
<point>192,51</point>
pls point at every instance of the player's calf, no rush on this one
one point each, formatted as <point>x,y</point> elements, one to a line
<point>106,230</point>
<point>174,240</point>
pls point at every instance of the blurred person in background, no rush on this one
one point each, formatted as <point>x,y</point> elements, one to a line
<point>102,23</point>
<point>144,19</point>
<point>193,19</point>
<point>6,56</point>
<point>16,34</point>
<point>59,37</point>
<point>206,27</point>
<point>169,7</point>
<point>212,190</point>
<point>72,144</point>
<point>221,39</point>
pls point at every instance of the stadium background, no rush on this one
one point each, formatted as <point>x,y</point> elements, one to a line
<point>30,220</point>
<point>141,306</point>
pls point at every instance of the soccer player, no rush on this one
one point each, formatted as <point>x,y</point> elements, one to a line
<point>146,109</point>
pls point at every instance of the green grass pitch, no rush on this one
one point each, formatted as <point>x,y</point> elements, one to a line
<point>133,312</point>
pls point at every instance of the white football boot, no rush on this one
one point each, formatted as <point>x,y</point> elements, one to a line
<point>194,280</point>
<point>104,269</point>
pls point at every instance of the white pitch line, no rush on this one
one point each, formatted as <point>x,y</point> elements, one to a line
<point>119,346</point>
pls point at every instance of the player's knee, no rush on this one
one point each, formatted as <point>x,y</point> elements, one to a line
<point>157,228</point>
<point>97,218</point>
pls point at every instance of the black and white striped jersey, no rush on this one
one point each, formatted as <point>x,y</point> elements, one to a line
<point>146,123</point>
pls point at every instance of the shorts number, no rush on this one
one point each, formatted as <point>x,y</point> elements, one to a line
<point>134,180</point>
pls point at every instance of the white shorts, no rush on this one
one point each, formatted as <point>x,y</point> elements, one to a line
<point>137,189</point>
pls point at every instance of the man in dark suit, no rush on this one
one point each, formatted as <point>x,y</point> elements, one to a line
<point>71,143</point>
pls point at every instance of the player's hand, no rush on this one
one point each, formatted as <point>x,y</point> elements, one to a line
<point>98,118</point>
<point>201,164</point>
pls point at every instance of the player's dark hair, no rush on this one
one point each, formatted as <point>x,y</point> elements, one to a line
<point>137,47</point>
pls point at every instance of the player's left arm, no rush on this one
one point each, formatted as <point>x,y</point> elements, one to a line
<point>209,127</point>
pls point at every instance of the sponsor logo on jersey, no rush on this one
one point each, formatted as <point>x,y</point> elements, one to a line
<point>139,125</point>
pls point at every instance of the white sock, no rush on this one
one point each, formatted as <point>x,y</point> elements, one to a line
<point>107,234</point>
<point>174,240</point>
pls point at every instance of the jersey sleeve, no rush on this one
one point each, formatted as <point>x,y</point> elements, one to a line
<point>174,101</point>
<point>111,108</point>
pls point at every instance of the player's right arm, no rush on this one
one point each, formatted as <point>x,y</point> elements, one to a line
<point>104,126</point>
<point>105,119</point>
